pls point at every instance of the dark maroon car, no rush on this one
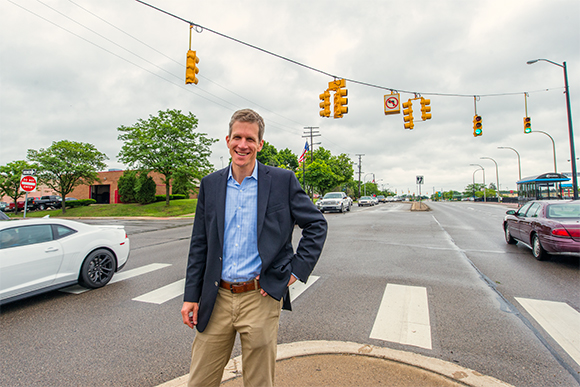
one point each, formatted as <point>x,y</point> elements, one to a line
<point>546,226</point>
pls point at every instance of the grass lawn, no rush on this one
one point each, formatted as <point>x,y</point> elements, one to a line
<point>184,207</point>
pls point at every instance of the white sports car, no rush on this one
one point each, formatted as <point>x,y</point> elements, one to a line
<point>39,255</point>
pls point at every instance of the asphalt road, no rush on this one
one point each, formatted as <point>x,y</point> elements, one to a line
<point>454,254</point>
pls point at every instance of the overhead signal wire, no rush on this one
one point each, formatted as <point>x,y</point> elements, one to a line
<point>280,126</point>
<point>322,71</point>
<point>179,63</point>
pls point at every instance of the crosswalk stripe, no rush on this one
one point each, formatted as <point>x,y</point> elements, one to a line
<point>123,275</point>
<point>161,295</point>
<point>403,316</point>
<point>560,320</point>
<point>297,288</point>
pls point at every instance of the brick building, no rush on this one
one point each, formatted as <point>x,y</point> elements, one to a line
<point>103,191</point>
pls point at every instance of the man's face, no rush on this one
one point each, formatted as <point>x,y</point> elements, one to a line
<point>244,144</point>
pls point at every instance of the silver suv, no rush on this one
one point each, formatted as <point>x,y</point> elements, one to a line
<point>334,201</point>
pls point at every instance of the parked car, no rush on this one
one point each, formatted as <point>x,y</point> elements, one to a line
<point>366,201</point>
<point>19,203</point>
<point>334,201</point>
<point>381,199</point>
<point>39,255</point>
<point>546,226</point>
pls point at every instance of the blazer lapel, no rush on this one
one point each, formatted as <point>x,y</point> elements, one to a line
<point>264,181</point>
<point>221,204</point>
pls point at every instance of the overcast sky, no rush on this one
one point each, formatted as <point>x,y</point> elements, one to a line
<point>79,69</point>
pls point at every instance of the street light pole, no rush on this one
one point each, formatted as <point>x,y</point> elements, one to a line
<point>553,147</point>
<point>496,175</point>
<point>519,163</point>
<point>364,182</point>
<point>570,129</point>
<point>483,170</point>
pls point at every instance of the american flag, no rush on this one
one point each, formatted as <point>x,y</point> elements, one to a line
<point>306,149</point>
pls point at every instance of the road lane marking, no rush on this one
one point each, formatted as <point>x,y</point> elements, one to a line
<point>403,316</point>
<point>560,320</point>
<point>123,275</point>
<point>163,294</point>
<point>297,288</point>
<point>168,292</point>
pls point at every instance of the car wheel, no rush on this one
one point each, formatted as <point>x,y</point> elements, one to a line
<point>341,209</point>
<point>508,236</point>
<point>42,207</point>
<point>98,269</point>
<point>539,253</point>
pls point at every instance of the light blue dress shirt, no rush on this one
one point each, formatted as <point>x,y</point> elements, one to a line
<point>241,260</point>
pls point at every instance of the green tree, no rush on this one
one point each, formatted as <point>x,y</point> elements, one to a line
<point>287,160</point>
<point>126,185</point>
<point>182,184</point>
<point>66,164</point>
<point>10,175</point>
<point>167,143</point>
<point>268,155</point>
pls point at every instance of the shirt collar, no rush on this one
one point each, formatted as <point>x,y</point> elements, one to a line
<point>253,175</point>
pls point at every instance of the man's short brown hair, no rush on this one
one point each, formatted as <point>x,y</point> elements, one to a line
<point>248,115</point>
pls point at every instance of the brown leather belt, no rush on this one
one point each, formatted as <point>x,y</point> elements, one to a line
<point>240,287</point>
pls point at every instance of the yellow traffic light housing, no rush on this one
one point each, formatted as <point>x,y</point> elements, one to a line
<point>191,67</point>
<point>340,102</point>
<point>408,114</point>
<point>527,125</point>
<point>425,109</point>
<point>338,86</point>
<point>325,104</point>
<point>477,126</point>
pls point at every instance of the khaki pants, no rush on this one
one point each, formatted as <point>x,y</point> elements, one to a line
<point>256,319</point>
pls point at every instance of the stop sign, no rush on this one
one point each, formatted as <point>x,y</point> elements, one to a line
<point>28,183</point>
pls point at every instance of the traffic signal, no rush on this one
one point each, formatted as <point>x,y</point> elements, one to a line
<point>477,126</point>
<point>527,125</point>
<point>191,67</point>
<point>408,114</point>
<point>325,104</point>
<point>425,109</point>
<point>340,102</point>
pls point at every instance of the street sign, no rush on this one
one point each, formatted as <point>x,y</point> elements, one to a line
<point>28,183</point>
<point>30,172</point>
<point>419,179</point>
<point>392,105</point>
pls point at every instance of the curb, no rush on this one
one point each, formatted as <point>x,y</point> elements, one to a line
<point>450,371</point>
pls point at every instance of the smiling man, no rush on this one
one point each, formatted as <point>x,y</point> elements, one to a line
<point>241,259</point>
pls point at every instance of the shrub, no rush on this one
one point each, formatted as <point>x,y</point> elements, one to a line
<point>145,189</point>
<point>80,203</point>
<point>161,198</point>
<point>127,183</point>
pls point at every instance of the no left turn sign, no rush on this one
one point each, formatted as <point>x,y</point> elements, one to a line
<point>392,105</point>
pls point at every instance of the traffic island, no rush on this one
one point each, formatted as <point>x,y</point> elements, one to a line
<point>419,206</point>
<point>342,364</point>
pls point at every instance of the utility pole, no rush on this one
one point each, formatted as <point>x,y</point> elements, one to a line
<point>309,132</point>
<point>359,171</point>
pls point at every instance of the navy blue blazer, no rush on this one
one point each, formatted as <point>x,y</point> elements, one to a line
<point>281,204</point>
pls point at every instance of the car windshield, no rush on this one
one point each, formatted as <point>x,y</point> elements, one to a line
<point>564,210</point>
<point>365,198</point>
<point>332,196</point>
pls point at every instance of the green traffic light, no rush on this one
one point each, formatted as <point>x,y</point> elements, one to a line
<point>478,132</point>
